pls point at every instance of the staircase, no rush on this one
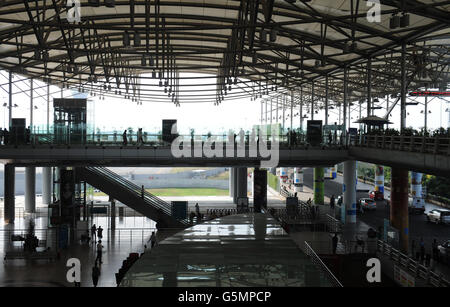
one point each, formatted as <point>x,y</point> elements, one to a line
<point>129,194</point>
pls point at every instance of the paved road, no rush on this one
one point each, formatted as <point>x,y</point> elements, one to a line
<point>418,224</point>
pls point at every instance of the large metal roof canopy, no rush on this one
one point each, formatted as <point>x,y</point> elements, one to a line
<point>252,47</point>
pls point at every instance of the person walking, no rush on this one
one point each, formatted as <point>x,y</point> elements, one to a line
<point>330,138</point>
<point>153,240</point>
<point>94,233</point>
<point>95,274</point>
<point>124,138</point>
<point>100,232</point>
<point>335,241</point>
<point>332,201</point>
<point>140,140</point>
<point>197,209</point>
<point>99,252</point>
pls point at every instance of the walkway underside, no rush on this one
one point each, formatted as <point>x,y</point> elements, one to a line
<point>429,163</point>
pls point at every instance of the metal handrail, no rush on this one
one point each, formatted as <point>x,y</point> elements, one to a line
<point>318,262</point>
<point>412,265</point>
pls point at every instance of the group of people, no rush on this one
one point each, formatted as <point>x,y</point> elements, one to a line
<point>6,137</point>
<point>419,253</point>
<point>140,137</point>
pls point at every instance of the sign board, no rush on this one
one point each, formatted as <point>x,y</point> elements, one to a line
<point>327,128</point>
<point>167,135</point>
<point>98,210</point>
<point>314,132</point>
<point>403,278</point>
<point>179,209</point>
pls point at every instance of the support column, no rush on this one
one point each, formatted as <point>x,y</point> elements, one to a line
<point>259,189</point>
<point>312,101</point>
<point>30,189</point>
<point>326,100</point>
<point>235,184</point>
<point>349,189</point>
<point>318,186</point>
<point>403,89</point>
<point>231,181</point>
<point>47,185</point>
<point>379,178</point>
<point>113,214</point>
<point>298,179</point>
<point>9,204</point>
<point>344,106</point>
<point>399,205</point>
<point>241,182</point>
<point>10,100</point>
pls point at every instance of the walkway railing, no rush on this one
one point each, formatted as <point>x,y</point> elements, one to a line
<point>412,265</point>
<point>434,145</point>
<point>319,263</point>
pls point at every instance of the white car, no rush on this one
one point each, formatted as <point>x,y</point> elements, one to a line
<point>439,216</point>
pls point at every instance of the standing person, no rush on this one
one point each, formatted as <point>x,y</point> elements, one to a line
<point>435,250</point>
<point>99,252</point>
<point>197,209</point>
<point>330,138</point>
<point>335,241</point>
<point>142,191</point>
<point>422,249</point>
<point>94,233</point>
<point>413,249</point>
<point>100,232</point>
<point>124,138</point>
<point>95,274</point>
<point>153,239</point>
<point>5,137</point>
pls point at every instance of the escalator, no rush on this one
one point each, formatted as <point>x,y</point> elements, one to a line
<point>129,194</point>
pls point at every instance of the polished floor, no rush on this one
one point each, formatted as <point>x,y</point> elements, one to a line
<point>233,251</point>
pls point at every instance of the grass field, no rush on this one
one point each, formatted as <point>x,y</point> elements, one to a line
<point>183,192</point>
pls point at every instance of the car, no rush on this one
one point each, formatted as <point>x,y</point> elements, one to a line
<point>376,195</point>
<point>367,204</point>
<point>444,248</point>
<point>439,216</point>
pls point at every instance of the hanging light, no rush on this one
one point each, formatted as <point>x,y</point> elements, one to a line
<point>394,21</point>
<point>152,61</point>
<point>126,39</point>
<point>137,39</point>
<point>404,20</point>
<point>273,35</point>
<point>263,36</point>
<point>143,61</point>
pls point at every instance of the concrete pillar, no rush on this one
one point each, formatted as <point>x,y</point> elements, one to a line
<point>46,185</point>
<point>298,179</point>
<point>259,189</point>
<point>231,181</point>
<point>349,189</point>
<point>9,196</point>
<point>235,184</point>
<point>318,186</point>
<point>379,178</point>
<point>399,205</point>
<point>30,189</point>
<point>241,182</point>
<point>113,214</point>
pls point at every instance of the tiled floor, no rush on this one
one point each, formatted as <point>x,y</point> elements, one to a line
<point>237,250</point>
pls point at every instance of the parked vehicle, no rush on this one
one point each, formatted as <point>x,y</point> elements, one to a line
<point>439,216</point>
<point>376,195</point>
<point>367,204</point>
